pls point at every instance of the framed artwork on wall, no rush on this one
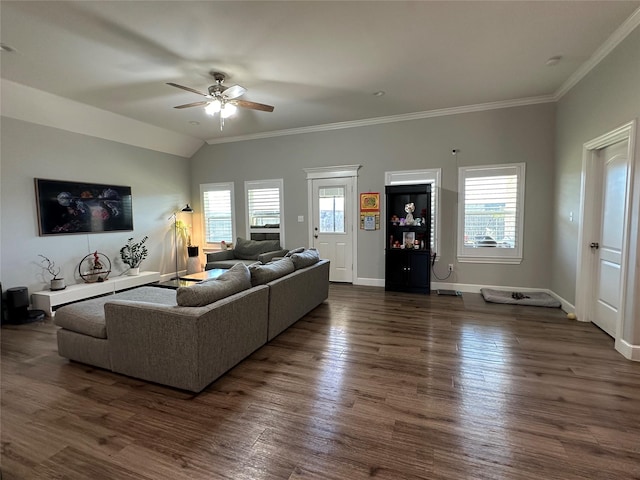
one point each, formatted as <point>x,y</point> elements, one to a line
<point>370,211</point>
<point>78,207</point>
<point>370,202</point>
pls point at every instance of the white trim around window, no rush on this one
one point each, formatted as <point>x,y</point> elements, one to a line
<point>491,213</point>
<point>264,207</point>
<point>419,177</point>
<point>218,214</point>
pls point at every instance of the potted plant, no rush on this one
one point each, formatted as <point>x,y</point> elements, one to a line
<point>192,250</point>
<point>49,266</point>
<point>133,253</point>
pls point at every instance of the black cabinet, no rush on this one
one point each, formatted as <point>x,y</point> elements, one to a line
<point>408,238</point>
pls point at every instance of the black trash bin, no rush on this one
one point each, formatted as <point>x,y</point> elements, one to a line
<point>18,307</point>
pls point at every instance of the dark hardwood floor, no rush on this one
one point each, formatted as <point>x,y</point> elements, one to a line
<point>370,384</point>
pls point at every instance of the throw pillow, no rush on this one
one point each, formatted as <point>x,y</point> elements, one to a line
<point>261,274</point>
<point>305,259</point>
<point>295,250</point>
<point>251,249</point>
<point>200,294</point>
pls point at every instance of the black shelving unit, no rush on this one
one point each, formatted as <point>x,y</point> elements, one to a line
<point>408,250</point>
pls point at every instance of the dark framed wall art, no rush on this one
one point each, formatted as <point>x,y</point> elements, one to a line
<point>77,207</point>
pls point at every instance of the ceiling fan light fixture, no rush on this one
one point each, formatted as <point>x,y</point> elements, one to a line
<point>228,109</point>
<point>213,107</point>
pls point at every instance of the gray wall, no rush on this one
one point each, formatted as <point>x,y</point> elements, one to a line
<point>159,182</point>
<point>609,96</point>
<point>509,135</point>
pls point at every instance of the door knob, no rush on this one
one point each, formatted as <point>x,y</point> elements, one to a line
<point>595,245</point>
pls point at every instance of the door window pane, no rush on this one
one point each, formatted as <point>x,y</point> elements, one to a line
<point>331,203</point>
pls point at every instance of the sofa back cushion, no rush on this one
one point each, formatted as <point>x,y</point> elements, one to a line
<point>250,249</point>
<point>261,274</point>
<point>200,294</point>
<point>305,259</point>
<point>295,250</point>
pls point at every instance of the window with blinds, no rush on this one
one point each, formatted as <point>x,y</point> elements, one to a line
<point>491,213</point>
<point>218,208</point>
<point>417,177</point>
<point>263,201</point>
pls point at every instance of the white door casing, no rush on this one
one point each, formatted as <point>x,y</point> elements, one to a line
<point>336,243</point>
<point>603,278</point>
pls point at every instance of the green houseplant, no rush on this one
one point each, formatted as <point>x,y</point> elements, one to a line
<point>133,253</point>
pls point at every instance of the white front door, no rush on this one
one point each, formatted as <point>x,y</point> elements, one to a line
<point>332,225</point>
<point>608,247</point>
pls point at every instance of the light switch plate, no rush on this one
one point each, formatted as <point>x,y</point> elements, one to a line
<point>300,218</point>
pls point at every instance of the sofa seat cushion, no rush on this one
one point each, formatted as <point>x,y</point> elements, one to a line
<point>235,280</point>
<point>229,263</point>
<point>251,249</point>
<point>87,317</point>
<point>305,259</point>
<point>261,274</point>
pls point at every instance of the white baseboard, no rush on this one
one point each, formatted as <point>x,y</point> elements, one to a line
<point>369,282</point>
<point>628,351</point>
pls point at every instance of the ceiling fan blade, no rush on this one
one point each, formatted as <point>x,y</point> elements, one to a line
<point>234,91</point>
<point>253,105</point>
<point>194,104</point>
<point>188,89</point>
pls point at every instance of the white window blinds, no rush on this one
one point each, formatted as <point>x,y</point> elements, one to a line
<point>491,212</point>
<point>264,208</point>
<point>217,201</point>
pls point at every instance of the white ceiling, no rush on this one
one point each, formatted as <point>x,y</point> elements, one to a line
<point>317,62</point>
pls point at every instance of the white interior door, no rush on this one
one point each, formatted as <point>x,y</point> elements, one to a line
<point>333,226</point>
<point>608,247</point>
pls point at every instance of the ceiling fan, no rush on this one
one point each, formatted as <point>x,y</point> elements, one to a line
<point>222,99</point>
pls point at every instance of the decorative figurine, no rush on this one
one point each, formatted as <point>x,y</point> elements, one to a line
<point>409,208</point>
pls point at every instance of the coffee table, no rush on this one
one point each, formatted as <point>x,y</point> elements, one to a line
<point>206,275</point>
<point>187,280</point>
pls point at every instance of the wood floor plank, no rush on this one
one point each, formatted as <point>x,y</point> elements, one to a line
<point>370,384</point>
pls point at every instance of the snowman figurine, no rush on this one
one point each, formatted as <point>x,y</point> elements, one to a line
<point>409,208</point>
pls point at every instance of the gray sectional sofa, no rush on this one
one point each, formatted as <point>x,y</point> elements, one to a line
<point>247,252</point>
<point>189,337</point>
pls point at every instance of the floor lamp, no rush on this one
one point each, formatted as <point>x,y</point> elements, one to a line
<point>174,215</point>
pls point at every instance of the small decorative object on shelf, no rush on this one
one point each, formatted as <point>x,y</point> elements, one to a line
<point>95,267</point>
<point>49,266</point>
<point>133,253</point>
<point>409,208</point>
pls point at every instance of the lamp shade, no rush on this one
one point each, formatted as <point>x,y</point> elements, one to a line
<point>187,209</point>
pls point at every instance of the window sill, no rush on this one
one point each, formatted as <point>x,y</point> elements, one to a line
<point>496,260</point>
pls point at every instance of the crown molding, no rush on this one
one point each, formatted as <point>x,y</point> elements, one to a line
<point>605,49</point>
<point>36,106</point>
<point>480,107</point>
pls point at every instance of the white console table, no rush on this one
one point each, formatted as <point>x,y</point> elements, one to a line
<point>47,299</point>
